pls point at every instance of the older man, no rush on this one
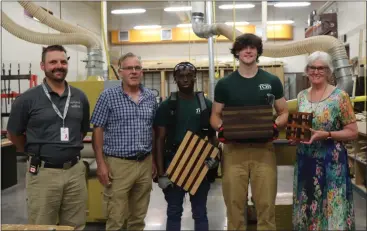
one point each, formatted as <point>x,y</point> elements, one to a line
<point>122,142</point>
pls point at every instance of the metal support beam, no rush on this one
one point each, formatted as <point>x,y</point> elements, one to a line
<point>209,20</point>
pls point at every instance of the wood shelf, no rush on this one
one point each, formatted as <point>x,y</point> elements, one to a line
<point>357,160</point>
<point>362,127</point>
<point>358,168</point>
<point>360,188</point>
<point>5,142</point>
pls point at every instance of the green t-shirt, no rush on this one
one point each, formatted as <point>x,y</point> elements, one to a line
<point>187,117</point>
<point>235,90</point>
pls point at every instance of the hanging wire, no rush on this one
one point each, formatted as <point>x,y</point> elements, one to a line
<point>234,33</point>
<point>215,45</point>
<point>365,66</point>
<point>189,29</point>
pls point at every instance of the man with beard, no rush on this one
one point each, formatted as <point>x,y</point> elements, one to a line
<point>48,122</point>
<point>252,159</point>
<point>171,126</point>
<point>123,144</point>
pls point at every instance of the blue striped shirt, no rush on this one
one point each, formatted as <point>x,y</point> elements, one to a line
<point>127,125</point>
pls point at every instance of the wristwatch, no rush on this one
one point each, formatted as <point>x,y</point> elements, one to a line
<point>329,136</point>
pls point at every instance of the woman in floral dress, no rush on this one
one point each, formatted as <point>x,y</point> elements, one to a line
<point>322,190</point>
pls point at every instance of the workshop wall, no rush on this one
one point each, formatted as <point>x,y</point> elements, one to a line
<point>199,52</point>
<point>351,19</point>
<point>15,50</point>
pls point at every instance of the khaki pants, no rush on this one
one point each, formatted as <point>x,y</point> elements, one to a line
<point>257,162</point>
<point>57,196</point>
<point>129,194</point>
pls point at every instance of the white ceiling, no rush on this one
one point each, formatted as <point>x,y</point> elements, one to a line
<point>156,15</point>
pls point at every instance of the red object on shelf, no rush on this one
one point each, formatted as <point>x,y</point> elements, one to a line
<point>13,94</point>
<point>33,81</point>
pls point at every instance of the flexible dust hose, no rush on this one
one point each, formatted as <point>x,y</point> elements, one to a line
<point>204,30</point>
<point>45,38</point>
<point>227,31</point>
<point>94,61</point>
<point>308,45</point>
<point>55,23</point>
<point>326,43</point>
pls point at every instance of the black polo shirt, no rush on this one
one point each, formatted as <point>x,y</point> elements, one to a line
<point>32,113</point>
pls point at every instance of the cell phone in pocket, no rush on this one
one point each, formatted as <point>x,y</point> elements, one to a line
<point>34,165</point>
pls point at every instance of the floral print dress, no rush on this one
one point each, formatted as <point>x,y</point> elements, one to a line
<point>322,190</point>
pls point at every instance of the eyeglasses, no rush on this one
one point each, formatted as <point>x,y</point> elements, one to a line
<point>130,68</point>
<point>319,69</point>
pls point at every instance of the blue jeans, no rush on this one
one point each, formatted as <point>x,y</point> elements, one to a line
<point>174,196</point>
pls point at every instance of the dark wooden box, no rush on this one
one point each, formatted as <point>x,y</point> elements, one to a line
<point>298,126</point>
<point>250,122</point>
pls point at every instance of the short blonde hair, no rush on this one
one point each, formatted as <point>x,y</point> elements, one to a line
<point>125,56</point>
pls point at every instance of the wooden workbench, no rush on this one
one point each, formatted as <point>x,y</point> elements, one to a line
<point>6,143</point>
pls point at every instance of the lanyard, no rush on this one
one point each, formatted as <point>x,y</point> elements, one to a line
<point>54,106</point>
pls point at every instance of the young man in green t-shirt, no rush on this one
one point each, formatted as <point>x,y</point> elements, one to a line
<point>169,136</point>
<point>249,160</point>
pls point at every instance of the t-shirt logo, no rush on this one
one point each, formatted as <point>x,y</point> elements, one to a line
<point>197,110</point>
<point>265,86</point>
<point>75,104</point>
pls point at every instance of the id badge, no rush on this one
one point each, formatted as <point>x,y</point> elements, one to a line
<point>64,134</point>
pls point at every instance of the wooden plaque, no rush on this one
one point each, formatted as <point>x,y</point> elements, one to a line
<point>187,168</point>
<point>251,122</point>
<point>298,126</point>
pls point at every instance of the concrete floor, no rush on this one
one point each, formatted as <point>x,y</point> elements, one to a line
<point>13,208</point>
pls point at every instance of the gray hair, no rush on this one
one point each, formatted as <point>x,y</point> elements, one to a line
<point>320,56</point>
<point>127,55</point>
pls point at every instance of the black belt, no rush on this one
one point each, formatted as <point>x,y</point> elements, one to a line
<point>65,165</point>
<point>138,157</point>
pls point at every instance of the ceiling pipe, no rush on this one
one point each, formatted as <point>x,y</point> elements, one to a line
<point>94,62</point>
<point>324,7</point>
<point>264,19</point>
<point>343,70</point>
<point>45,38</point>
<point>209,19</point>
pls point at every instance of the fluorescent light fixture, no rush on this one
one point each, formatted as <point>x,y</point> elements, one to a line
<point>280,22</point>
<point>236,6</point>
<point>237,23</point>
<point>185,25</point>
<point>147,27</point>
<point>178,8</point>
<point>128,11</point>
<point>291,4</point>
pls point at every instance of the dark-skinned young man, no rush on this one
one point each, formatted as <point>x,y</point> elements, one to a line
<point>188,117</point>
<point>254,159</point>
